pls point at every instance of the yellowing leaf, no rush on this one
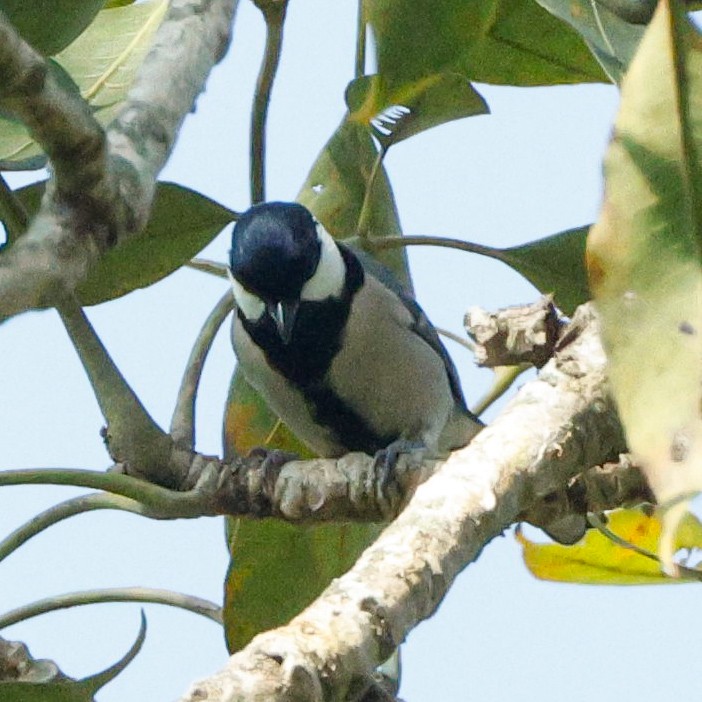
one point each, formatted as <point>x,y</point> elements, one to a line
<point>248,423</point>
<point>597,560</point>
<point>645,258</point>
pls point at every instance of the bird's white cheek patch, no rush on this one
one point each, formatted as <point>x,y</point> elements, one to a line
<point>328,279</point>
<point>251,305</point>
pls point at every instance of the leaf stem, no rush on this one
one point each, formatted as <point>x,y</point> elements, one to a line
<point>12,212</point>
<point>596,522</point>
<point>466,343</point>
<point>503,381</point>
<point>274,15</point>
<point>393,242</point>
<point>183,421</point>
<point>360,64</point>
<point>132,433</point>
<point>364,217</point>
<point>206,266</point>
<point>197,605</point>
<point>159,502</point>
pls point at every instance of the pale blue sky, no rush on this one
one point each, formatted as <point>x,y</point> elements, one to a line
<point>531,168</point>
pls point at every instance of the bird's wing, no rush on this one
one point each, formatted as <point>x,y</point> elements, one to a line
<point>420,322</point>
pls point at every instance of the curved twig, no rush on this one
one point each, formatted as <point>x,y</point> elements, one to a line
<point>160,502</point>
<point>64,510</point>
<point>183,421</point>
<point>274,14</point>
<point>197,605</point>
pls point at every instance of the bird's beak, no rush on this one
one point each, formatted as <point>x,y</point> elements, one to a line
<point>284,315</point>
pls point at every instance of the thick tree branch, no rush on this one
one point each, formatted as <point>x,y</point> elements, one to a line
<point>564,513</point>
<point>57,118</point>
<point>556,426</point>
<point>515,335</point>
<point>270,484</point>
<point>17,665</point>
<point>103,184</point>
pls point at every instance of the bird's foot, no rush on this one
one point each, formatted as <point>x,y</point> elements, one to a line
<point>272,460</point>
<point>389,490</point>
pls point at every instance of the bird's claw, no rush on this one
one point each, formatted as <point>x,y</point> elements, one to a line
<point>389,489</point>
<point>272,460</point>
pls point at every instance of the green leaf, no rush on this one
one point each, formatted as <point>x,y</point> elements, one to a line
<point>512,42</point>
<point>182,223</point>
<point>611,38</point>
<point>399,112</point>
<point>645,256</point>
<point>336,186</point>
<point>634,11</point>
<point>50,25</point>
<point>249,423</point>
<point>555,265</point>
<point>276,568</point>
<point>103,62</point>
<point>597,560</point>
<point>17,150</point>
<point>66,690</point>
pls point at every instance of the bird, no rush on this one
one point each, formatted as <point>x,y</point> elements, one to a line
<point>335,346</point>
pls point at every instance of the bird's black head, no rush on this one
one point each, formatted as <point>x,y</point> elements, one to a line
<point>275,250</point>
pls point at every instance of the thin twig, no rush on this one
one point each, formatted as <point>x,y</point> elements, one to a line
<point>394,242</point>
<point>206,266</point>
<point>360,64</point>
<point>160,502</point>
<point>274,14</point>
<point>681,570</point>
<point>183,421</point>
<point>503,381</point>
<point>197,605</point>
<point>64,510</point>
<point>364,217</point>
<point>466,343</point>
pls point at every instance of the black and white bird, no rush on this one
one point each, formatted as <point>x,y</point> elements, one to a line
<point>345,358</point>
